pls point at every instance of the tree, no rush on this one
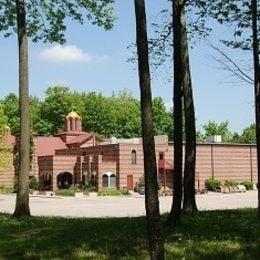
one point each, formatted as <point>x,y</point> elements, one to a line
<point>3,119</point>
<point>45,20</point>
<point>213,128</point>
<point>11,109</point>
<point>189,201</point>
<point>22,198</point>
<point>175,213</point>
<point>248,135</point>
<point>150,169</point>
<point>256,52</point>
<point>162,119</point>
<point>244,16</point>
<point>57,104</point>
<point>183,90</point>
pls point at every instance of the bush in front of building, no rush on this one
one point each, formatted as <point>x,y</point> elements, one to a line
<point>212,184</point>
<point>247,184</point>
<point>231,183</point>
<point>6,190</point>
<point>33,184</point>
<point>88,188</point>
<point>113,192</point>
<point>67,192</point>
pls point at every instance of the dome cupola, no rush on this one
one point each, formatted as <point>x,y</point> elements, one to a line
<point>73,122</point>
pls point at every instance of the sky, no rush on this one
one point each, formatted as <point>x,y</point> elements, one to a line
<point>96,60</point>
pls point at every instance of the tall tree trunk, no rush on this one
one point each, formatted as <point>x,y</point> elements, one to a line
<point>22,199</point>
<point>257,91</point>
<point>150,169</point>
<point>175,213</point>
<point>189,202</point>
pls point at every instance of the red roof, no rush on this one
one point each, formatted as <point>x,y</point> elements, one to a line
<point>48,145</point>
<point>80,139</point>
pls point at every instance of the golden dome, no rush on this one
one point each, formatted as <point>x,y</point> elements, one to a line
<point>72,114</point>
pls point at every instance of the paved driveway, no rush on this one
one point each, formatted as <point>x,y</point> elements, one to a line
<point>91,206</point>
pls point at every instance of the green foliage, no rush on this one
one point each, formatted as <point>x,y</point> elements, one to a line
<point>236,14</point>
<point>162,119</point>
<point>213,128</point>
<point>140,182</point>
<point>231,183</point>
<point>6,190</point>
<point>67,192</point>
<point>6,158</point>
<point>11,110</point>
<point>46,20</point>
<point>205,235</point>
<point>33,183</point>
<point>113,192</point>
<point>3,120</point>
<point>212,184</point>
<point>248,135</point>
<point>117,115</point>
<point>247,184</point>
<point>57,104</point>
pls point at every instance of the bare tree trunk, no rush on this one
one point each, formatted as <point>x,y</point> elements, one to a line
<point>22,199</point>
<point>175,213</point>
<point>189,202</point>
<point>257,91</point>
<point>150,169</point>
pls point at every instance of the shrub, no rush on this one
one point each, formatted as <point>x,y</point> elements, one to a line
<point>89,188</point>
<point>212,184</point>
<point>230,183</point>
<point>140,182</point>
<point>74,188</point>
<point>67,192</point>
<point>33,184</point>
<point>6,190</point>
<point>247,184</point>
<point>64,192</point>
<point>113,192</point>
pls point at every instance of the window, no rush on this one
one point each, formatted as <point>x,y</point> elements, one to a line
<point>113,181</point>
<point>105,181</point>
<point>161,156</point>
<point>109,180</point>
<point>133,155</point>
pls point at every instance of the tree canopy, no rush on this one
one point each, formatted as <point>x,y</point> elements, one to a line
<point>46,20</point>
<point>117,115</point>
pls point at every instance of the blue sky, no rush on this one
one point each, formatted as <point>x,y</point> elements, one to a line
<point>95,60</point>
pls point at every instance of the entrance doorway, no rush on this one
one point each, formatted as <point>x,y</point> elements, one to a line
<point>64,180</point>
<point>130,182</point>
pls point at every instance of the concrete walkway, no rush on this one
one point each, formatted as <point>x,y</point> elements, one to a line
<point>91,206</point>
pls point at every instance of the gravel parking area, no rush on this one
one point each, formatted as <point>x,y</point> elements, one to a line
<point>128,206</point>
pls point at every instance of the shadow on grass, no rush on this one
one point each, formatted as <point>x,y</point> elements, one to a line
<point>220,234</point>
<point>231,234</point>
<point>106,238</point>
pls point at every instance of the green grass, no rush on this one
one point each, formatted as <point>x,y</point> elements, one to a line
<point>231,234</point>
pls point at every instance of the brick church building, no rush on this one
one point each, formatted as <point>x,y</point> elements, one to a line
<point>73,156</point>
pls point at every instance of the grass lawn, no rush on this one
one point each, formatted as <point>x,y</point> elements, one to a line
<point>230,234</point>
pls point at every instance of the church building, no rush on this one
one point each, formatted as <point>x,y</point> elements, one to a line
<point>74,156</point>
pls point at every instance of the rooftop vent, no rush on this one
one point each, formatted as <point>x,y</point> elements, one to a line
<point>214,139</point>
<point>113,140</point>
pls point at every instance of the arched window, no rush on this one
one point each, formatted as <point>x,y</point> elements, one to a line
<point>105,181</point>
<point>133,156</point>
<point>109,180</point>
<point>113,181</point>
